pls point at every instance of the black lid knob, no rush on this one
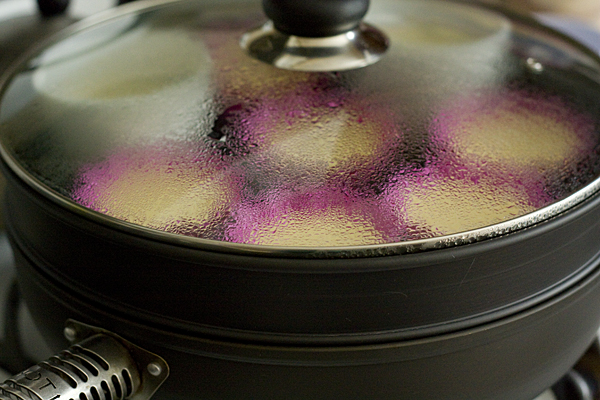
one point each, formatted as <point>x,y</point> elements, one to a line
<point>52,7</point>
<point>315,18</point>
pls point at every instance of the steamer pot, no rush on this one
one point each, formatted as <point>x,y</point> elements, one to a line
<point>425,226</point>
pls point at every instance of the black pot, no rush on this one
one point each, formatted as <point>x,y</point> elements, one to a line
<point>495,312</point>
<point>72,268</point>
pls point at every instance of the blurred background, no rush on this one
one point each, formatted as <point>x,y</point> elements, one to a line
<point>587,11</point>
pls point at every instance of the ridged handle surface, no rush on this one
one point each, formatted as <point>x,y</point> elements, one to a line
<point>98,369</point>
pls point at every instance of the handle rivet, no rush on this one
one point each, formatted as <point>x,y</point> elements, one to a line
<point>70,333</point>
<point>154,369</point>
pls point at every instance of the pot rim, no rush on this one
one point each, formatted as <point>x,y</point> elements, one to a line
<point>357,251</point>
<point>578,284</point>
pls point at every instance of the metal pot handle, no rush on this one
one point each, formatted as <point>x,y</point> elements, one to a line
<point>98,366</point>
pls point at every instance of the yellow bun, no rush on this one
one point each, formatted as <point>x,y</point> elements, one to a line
<point>448,206</point>
<point>514,135</point>
<point>160,197</point>
<point>332,226</point>
<point>242,76</point>
<point>137,63</point>
<point>324,144</point>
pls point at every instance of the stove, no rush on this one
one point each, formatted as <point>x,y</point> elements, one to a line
<point>21,344</point>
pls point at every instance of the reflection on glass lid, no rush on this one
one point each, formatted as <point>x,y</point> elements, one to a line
<point>162,121</point>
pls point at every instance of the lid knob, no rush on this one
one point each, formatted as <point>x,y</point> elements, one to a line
<point>315,18</point>
<point>316,35</point>
<point>52,7</point>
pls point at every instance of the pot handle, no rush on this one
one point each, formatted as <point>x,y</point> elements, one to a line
<point>99,365</point>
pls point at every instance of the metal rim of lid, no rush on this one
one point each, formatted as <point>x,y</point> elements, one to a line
<point>359,251</point>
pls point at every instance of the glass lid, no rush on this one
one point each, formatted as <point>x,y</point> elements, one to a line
<point>161,119</point>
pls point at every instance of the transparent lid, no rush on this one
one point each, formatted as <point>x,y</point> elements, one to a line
<point>154,119</point>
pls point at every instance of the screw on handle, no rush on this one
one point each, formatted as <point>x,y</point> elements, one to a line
<point>315,18</point>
